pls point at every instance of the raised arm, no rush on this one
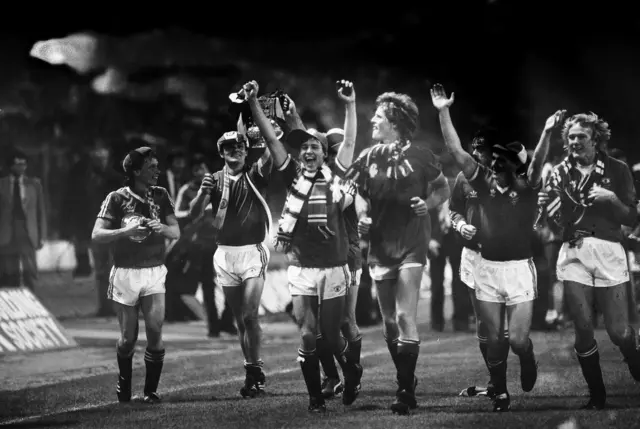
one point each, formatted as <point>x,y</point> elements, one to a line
<point>534,173</point>
<point>276,147</point>
<point>345,153</point>
<point>441,102</point>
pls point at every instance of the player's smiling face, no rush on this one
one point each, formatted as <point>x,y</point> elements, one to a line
<point>234,154</point>
<point>311,155</point>
<point>382,130</point>
<point>149,172</point>
<point>582,147</point>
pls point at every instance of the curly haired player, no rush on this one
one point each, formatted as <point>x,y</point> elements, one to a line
<point>394,177</point>
<point>592,263</point>
<point>138,274</point>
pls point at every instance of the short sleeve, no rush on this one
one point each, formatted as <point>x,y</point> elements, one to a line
<point>110,208</point>
<point>481,179</point>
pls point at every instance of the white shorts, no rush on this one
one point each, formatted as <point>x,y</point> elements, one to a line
<point>128,285</point>
<point>355,277</point>
<point>235,264</point>
<point>381,272</point>
<point>325,283</point>
<point>596,262</point>
<point>468,263</point>
<point>508,282</point>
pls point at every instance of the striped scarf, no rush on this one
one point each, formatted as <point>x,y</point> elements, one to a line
<point>388,157</point>
<point>318,189</point>
<point>569,190</point>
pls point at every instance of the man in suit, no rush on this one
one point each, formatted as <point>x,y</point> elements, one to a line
<point>23,225</point>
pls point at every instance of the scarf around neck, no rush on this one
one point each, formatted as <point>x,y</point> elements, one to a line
<point>316,189</point>
<point>568,187</point>
<point>389,157</point>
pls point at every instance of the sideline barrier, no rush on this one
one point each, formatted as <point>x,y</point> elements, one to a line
<point>27,326</point>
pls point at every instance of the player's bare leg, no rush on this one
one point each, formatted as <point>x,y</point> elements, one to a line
<point>520,316</point>
<point>244,301</point>
<point>125,347</point>
<point>153,310</point>
<point>386,295</point>
<point>580,300</point>
<point>305,311</point>
<point>614,302</point>
<point>491,315</point>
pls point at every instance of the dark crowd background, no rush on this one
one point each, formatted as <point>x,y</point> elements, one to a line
<point>511,64</point>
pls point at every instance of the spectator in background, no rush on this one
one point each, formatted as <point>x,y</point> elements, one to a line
<point>444,246</point>
<point>89,182</point>
<point>23,224</point>
<point>173,177</point>
<point>196,248</point>
<point>189,190</point>
<point>592,262</point>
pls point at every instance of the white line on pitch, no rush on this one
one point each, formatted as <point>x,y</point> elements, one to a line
<point>213,383</point>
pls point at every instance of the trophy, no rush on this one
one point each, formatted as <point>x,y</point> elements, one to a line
<point>274,106</point>
<point>143,230</point>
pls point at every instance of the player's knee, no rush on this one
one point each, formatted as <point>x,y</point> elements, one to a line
<point>308,338</point>
<point>519,342</point>
<point>481,329</point>
<point>617,333</point>
<point>250,320</point>
<point>493,336</point>
<point>154,333</point>
<point>406,322</point>
<point>350,330</point>
<point>583,331</point>
<point>349,321</point>
<point>127,343</point>
<point>390,323</point>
